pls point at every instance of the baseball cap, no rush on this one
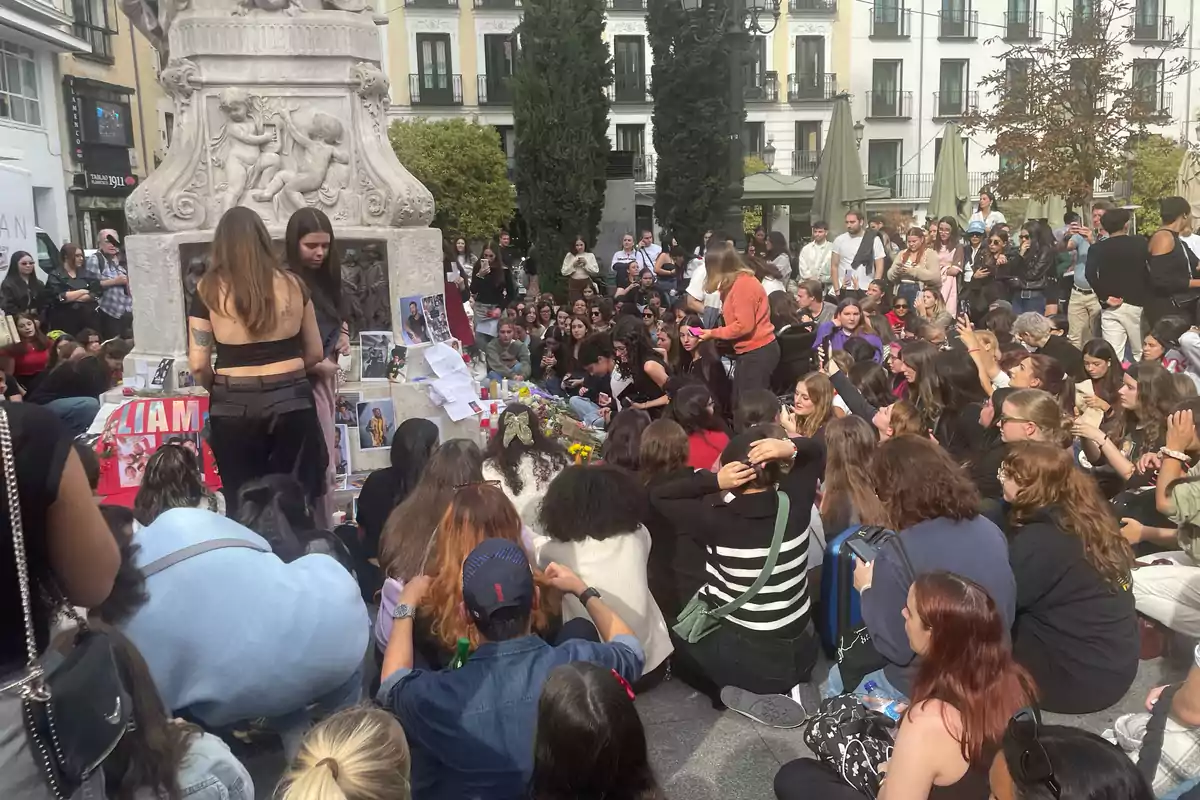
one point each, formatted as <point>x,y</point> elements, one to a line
<point>976,227</point>
<point>496,575</point>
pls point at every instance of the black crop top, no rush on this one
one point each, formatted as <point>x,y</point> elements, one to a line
<point>251,354</point>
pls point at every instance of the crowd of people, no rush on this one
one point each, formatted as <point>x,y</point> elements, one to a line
<point>1036,469</point>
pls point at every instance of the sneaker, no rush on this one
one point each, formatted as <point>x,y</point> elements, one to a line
<point>775,710</point>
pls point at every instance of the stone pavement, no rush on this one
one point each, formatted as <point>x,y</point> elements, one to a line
<point>703,754</point>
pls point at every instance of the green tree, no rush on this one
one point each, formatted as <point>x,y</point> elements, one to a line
<point>462,164</point>
<point>1156,162</point>
<point>693,123</point>
<point>560,111</point>
<point>1066,106</point>
<point>752,216</point>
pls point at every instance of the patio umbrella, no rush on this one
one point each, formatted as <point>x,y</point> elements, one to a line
<point>840,183</point>
<point>1051,209</point>
<point>1187,184</point>
<point>949,195</point>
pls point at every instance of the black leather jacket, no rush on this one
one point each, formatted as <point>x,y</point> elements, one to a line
<point>1034,270</point>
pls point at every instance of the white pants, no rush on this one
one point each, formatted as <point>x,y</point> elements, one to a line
<point>1120,325</point>
<point>1170,594</point>
<point>1082,313</point>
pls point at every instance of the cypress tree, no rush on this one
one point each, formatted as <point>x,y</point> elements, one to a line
<point>693,124</point>
<point>560,112</point>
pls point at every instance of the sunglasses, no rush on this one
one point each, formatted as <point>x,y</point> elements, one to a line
<point>1033,765</point>
<point>1023,236</point>
<point>900,306</point>
<point>459,486</point>
<point>996,241</point>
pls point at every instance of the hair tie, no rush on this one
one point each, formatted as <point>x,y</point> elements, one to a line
<point>625,683</point>
<point>332,764</point>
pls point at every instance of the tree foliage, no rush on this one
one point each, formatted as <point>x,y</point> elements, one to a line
<point>462,164</point>
<point>1065,107</point>
<point>693,124</point>
<point>752,216</point>
<point>1156,162</point>
<point>560,112</point>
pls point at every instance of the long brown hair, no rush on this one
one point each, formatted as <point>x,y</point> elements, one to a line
<point>324,283</point>
<point>820,392</point>
<point>664,449</point>
<point>847,486</point>
<point>1051,482</point>
<point>723,265</point>
<point>478,511</point>
<point>969,665</point>
<point>242,268</point>
<point>917,480</point>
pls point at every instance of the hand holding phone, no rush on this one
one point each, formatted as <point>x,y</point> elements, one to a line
<point>694,331</point>
<point>862,549</point>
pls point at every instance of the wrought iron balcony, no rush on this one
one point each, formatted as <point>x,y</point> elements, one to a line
<point>889,105</point>
<point>952,105</point>
<point>1152,29</point>
<point>812,6</point>
<point>627,5</point>
<point>435,89</point>
<point>629,87</point>
<point>957,23</point>
<point>499,5</point>
<point>643,168</point>
<point>1151,103</point>
<point>495,90</point>
<point>1023,26</point>
<point>762,87</point>
<point>812,86</point>
<point>805,162</point>
<point>431,3</point>
<point>890,22</point>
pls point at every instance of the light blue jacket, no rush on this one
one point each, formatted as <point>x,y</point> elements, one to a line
<point>236,633</point>
<point>209,772</point>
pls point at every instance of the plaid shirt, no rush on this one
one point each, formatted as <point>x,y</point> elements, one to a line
<point>115,301</point>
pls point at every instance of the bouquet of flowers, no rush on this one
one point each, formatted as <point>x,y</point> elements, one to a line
<point>582,453</point>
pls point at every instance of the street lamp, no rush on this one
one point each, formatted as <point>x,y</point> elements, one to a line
<point>769,154</point>
<point>859,130</point>
<point>738,20</point>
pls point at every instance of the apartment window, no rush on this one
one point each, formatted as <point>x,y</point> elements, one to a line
<point>95,23</point>
<point>1016,79</point>
<point>952,88</point>
<point>885,88</point>
<point>808,148</point>
<point>954,19</point>
<point>883,163</point>
<point>631,139</point>
<point>757,68</point>
<point>629,67</point>
<point>508,144</point>
<point>434,79</point>
<point>809,81</point>
<point>499,50</point>
<point>754,138</point>
<point>19,85</point>
<point>1148,84</point>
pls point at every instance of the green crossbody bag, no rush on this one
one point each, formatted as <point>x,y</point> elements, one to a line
<point>698,620</point>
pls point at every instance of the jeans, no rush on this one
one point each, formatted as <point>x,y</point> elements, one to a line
<point>1120,326</point>
<point>908,290</point>
<point>1083,312</point>
<point>293,727</point>
<point>1169,594</point>
<point>76,413</point>
<point>1036,301</point>
<point>587,411</point>
<point>496,376</point>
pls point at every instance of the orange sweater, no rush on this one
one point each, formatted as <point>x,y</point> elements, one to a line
<point>747,315</point>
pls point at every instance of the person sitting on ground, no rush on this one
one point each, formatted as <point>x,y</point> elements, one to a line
<point>163,757</point>
<point>72,390</point>
<point>1076,630</point>
<point>506,357</point>
<point>622,445</point>
<point>1040,371</point>
<point>1162,344</point>
<point>491,701</point>
<point>1034,331</point>
<point>846,323</point>
<point>358,753</point>
<point>385,489</point>
<point>967,688</point>
<point>173,480</point>
<point>812,407</point>
<point>766,647</point>
<point>30,353</point>
<point>640,376</point>
<point>597,358</point>
<point>701,362</point>
<point>211,671</point>
<point>694,410</point>
<point>522,460</point>
<point>847,491</point>
<point>935,510</point>
<point>276,508</point>
<point>598,754</point>
<point>591,520</point>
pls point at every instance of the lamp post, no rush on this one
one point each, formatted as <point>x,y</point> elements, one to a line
<point>859,130</point>
<point>739,20</point>
<point>769,154</point>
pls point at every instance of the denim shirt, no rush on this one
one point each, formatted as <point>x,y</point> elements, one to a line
<point>209,772</point>
<point>471,730</point>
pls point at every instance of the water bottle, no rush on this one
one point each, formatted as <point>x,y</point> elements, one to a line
<point>874,699</point>
<point>461,652</point>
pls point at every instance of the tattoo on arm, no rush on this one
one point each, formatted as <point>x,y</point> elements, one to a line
<point>202,338</point>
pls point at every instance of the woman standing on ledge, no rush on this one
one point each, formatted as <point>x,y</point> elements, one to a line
<point>261,322</point>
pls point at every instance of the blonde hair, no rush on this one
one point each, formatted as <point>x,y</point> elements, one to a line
<point>723,265</point>
<point>1043,411</point>
<point>358,753</point>
<point>989,342</point>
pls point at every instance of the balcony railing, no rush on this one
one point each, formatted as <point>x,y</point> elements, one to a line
<point>435,89</point>
<point>958,23</point>
<point>643,168</point>
<point>630,87</point>
<point>812,6</point>
<point>805,162</point>
<point>811,86</point>
<point>762,87</point>
<point>1023,26</point>
<point>1151,103</point>
<point>889,105</point>
<point>919,185</point>
<point>952,105</point>
<point>431,3</point>
<point>1152,29</point>
<point>495,90</point>
<point>890,22</point>
<point>499,5</point>
<point>627,5</point>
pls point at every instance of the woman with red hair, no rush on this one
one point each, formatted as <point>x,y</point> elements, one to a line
<point>967,688</point>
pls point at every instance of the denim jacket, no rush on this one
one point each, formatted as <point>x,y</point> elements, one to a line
<point>209,772</point>
<point>471,730</point>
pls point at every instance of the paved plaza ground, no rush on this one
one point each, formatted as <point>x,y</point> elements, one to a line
<point>703,754</point>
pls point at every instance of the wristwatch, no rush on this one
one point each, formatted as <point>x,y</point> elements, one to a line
<point>404,611</point>
<point>588,594</point>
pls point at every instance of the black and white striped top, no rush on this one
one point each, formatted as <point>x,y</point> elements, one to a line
<point>736,532</point>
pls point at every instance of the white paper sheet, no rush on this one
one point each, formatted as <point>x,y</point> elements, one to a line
<point>489,327</point>
<point>458,411</point>
<point>443,360</point>
<point>106,411</point>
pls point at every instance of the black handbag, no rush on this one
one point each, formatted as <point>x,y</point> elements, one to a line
<point>76,709</point>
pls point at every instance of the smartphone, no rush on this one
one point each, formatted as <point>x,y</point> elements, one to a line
<point>864,550</point>
<point>694,331</point>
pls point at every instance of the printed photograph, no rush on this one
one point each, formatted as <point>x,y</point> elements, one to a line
<point>413,328</point>
<point>376,424</point>
<point>341,443</point>
<point>375,347</point>
<point>437,324</point>
<point>345,408</point>
<point>396,363</point>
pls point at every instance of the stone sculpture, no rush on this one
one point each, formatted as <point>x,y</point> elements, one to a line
<point>243,148</point>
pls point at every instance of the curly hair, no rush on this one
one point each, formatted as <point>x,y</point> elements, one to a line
<point>638,346</point>
<point>592,502</point>
<point>172,480</point>
<point>477,511</point>
<point>547,455</point>
<point>916,480</point>
<point>1157,397</point>
<point>1051,482</point>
